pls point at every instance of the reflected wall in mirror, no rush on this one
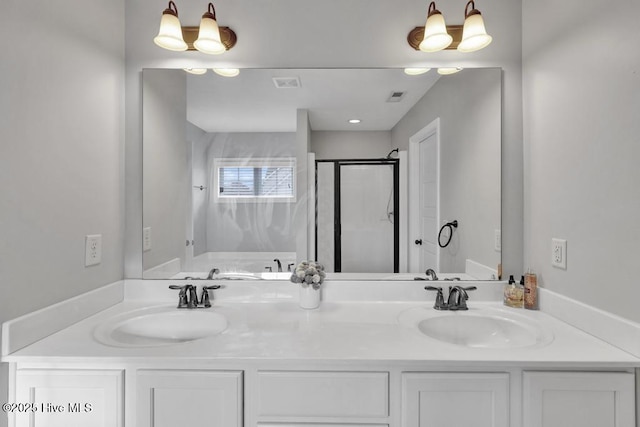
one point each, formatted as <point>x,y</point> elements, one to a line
<point>230,165</point>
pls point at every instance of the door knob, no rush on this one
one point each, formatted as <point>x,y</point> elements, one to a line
<point>418,241</point>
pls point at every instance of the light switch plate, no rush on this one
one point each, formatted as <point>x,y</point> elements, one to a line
<point>92,249</point>
<point>559,253</point>
<point>146,239</point>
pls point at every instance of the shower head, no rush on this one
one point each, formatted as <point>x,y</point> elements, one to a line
<point>395,150</point>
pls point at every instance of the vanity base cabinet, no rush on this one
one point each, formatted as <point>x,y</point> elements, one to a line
<point>69,398</point>
<point>189,398</point>
<point>448,399</point>
<point>578,399</point>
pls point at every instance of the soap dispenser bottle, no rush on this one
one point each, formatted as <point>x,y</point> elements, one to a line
<point>513,294</point>
<point>530,291</point>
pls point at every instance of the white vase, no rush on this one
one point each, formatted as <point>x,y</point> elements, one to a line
<point>309,297</point>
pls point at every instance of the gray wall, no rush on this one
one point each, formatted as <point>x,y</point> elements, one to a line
<point>199,141</point>
<point>468,105</point>
<point>61,151</point>
<point>582,135</point>
<point>350,144</point>
<point>166,172</point>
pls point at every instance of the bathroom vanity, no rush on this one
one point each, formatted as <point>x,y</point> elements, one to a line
<point>373,354</point>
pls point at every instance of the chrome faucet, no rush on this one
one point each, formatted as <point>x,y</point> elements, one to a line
<point>188,296</point>
<point>213,272</point>
<point>277,261</point>
<point>431,274</point>
<point>458,297</point>
<point>290,265</point>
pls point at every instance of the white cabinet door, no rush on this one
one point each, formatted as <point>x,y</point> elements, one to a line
<point>455,399</point>
<point>578,399</point>
<point>69,398</point>
<point>189,398</point>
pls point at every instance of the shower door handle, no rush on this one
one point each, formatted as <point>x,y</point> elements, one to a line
<point>418,241</point>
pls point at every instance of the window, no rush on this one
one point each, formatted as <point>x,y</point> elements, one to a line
<point>255,179</point>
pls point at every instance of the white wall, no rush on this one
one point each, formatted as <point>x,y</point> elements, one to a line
<point>350,144</point>
<point>582,133</point>
<point>167,170</point>
<point>350,44</point>
<point>199,141</point>
<point>264,226</point>
<point>61,150</point>
<point>468,105</point>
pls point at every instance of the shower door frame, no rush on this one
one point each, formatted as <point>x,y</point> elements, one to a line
<point>337,229</point>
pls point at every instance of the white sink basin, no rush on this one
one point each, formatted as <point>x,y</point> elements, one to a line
<point>479,328</point>
<point>159,326</point>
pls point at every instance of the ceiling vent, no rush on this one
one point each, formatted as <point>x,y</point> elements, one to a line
<point>396,96</point>
<point>286,82</point>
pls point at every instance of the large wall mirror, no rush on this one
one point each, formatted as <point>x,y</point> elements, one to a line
<point>375,173</point>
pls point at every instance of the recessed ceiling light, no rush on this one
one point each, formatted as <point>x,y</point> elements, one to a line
<point>196,71</point>
<point>445,71</point>
<point>416,71</point>
<point>354,121</point>
<point>227,72</point>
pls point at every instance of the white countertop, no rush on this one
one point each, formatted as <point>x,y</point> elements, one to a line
<point>356,331</point>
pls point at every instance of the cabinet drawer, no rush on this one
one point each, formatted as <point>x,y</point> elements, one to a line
<point>323,394</point>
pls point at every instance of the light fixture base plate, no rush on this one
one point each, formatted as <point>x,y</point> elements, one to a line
<point>227,37</point>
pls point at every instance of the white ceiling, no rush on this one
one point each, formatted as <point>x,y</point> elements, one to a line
<point>251,102</point>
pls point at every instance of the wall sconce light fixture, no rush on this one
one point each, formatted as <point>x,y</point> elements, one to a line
<point>435,31</point>
<point>207,38</point>
<point>469,37</point>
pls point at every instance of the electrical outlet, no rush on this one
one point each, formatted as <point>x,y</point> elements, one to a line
<point>497,240</point>
<point>146,239</point>
<point>559,253</point>
<point>92,249</point>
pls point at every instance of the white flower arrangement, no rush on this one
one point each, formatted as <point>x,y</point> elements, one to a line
<point>309,273</point>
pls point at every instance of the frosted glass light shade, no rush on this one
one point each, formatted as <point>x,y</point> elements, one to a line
<point>416,71</point>
<point>435,34</point>
<point>445,71</point>
<point>209,37</point>
<point>474,35</point>
<point>196,71</point>
<point>226,72</point>
<point>170,33</point>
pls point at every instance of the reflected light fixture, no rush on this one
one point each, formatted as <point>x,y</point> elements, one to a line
<point>170,33</point>
<point>207,38</point>
<point>435,31</point>
<point>445,71</point>
<point>209,34</point>
<point>416,71</point>
<point>354,121</point>
<point>226,72</point>
<point>436,36</point>
<point>196,71</point>
<point>474,35</point>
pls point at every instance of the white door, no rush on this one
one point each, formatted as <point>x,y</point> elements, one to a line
<point>69,398</point>
<point>189,398</point>
<point>578,399</point>
<point>424,190</point>
<point>455,399</point>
